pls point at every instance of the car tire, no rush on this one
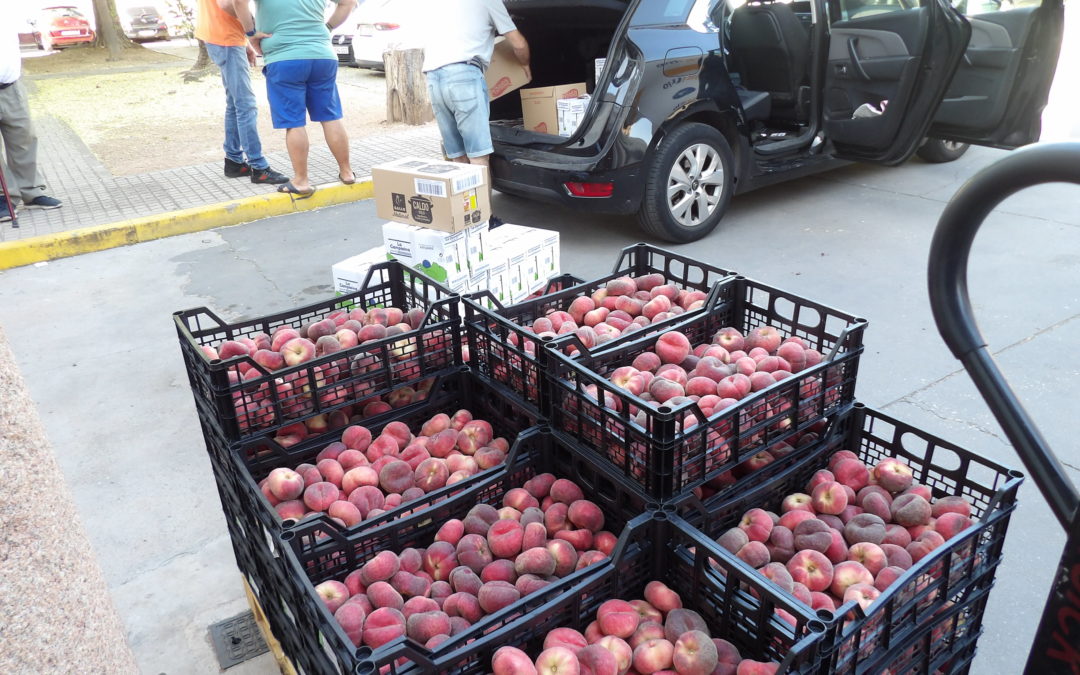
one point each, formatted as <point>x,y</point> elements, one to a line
<point>691,152</point>
<point>937,151</point>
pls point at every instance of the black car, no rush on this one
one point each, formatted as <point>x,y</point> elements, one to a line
<point>702,99</point>
<point>143,23</point>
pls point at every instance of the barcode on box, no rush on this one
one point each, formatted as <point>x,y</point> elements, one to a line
<point>431,188</point>
<point>466,182</point>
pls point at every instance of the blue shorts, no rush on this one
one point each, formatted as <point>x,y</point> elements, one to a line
<point>459,97</point>
<point>302,86</point>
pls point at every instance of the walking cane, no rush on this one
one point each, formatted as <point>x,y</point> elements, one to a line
<point>7,198</point>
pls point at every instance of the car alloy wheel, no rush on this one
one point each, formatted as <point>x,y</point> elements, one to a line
<point>695,185</point>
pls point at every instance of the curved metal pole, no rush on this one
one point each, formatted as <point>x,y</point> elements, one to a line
<point>949,300</point>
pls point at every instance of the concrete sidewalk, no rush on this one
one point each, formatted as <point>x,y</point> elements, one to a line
<point>134,208</point>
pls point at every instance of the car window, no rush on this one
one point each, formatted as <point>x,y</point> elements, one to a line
<point>139,11</point>
<point>854,9</point>
<point>65,12</point>
<point>975,7</point>
<point>662,11</point>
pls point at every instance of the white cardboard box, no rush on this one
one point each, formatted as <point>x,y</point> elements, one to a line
<point>349,274</point>
<point>443,256</point>
<point>570,112</point>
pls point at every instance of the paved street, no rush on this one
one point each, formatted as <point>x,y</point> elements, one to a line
<point>94,339</point>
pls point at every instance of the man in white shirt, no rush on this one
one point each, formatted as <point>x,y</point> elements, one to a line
<point>19,140</point>
<point>460,40</point>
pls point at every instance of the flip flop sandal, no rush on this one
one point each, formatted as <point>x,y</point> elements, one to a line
<point>294,193</point>
<point>347,182</point>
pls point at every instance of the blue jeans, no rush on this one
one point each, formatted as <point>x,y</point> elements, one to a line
<point>459,99</point>
<point>241,111</point>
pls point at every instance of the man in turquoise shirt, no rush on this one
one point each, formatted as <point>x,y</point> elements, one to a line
<point>301,77</point>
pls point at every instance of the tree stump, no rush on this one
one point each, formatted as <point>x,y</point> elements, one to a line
<point>406,89</point>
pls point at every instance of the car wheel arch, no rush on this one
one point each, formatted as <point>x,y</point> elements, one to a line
<point>726,124</point>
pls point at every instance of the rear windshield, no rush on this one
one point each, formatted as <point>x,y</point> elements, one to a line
<point>140,11</point>
<point>662,11</point>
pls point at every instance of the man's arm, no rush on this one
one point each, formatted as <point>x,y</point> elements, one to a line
<point>240,9</point>
<point>521,49</point>
<point>341,12</point>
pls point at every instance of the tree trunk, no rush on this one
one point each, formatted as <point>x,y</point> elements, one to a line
<point>202,61</point>
<point>406,89</point>
<point>109,34</point>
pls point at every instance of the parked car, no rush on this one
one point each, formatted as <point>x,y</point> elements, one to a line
<point>63,26</point>
<point>702,99</point>
<point>375,27</point>
<point>29,35</point>
<point>144,23</point>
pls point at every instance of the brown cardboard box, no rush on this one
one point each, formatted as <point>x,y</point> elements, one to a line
<point>539,109</point>
<point>431,193</point>
<point>505,74</point>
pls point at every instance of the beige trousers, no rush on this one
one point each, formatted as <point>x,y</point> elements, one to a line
<point>19,143</point>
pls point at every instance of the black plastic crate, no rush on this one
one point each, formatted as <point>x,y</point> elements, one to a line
<point>317,551</point>
<point>272,399</point>
<point>954,572</point>
<point>657,546</point>
<point>501,347</point>
<point>670,449</point>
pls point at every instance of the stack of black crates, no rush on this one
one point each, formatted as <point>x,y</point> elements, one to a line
<point>645,467</point>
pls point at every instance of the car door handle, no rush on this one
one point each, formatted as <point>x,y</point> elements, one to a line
<point>853,54</point>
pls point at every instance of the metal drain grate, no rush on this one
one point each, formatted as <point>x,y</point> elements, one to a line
<point>237,640</point>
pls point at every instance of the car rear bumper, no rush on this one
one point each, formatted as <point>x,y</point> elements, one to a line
<point>519,177</point>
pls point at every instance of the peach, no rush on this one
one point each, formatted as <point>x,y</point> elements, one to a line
<point>876,504</point>
<point>555,518</point>
<point>298,350</point>
<point>595,660</point>
<point>423,626</point>
<point>757,524</point>
<point>798,501</point>
<point>656,307</point>
<point>437,423</point>
<point>579,307</point>
<point>331,471</point>
<point>538,561</point>
<point>624,655</point>
<point>580,539</point>
<point>672,347</point>
<point>285,484</point>
<point>565,555</point>
<point>464,580</point>
<point>558,661</point>
<point>812,569</point>
<point>464,605</point>
<point>838,548</point>
<point>499,570</point>
<point>413,455</point>
<point>565,637</point>
<point>850,512</point>
<point>430,474</point>
<point>871,556</point>
<point>832,521</point>
<point>439,559</point>
<point>848,573</point>
<point>291,510</point>
<point>461,464</point>
<point>887,577</point>
<point>281,336</point>
<point>480,518</point>
<point>829,497</point>
<point>781,544</point>
<point>618,618</point>
<point>358,476</point>
<point>350,459</point>
<point>319,496</point>
<point>865,527</point>
<point>754,554</point>
<point>953,504</point>
<point>346,512</point>
<point>529,583</point>
<point>565,491</point>
<point>351,617</point>
<point>680,621</point>
<point>512,661</point>
<point>729,338</point>
<point>396,476</point>
<point>924,545</point>
<point>333,594</point>
<point>853,473</point>
<point>812,534</point>
<point>451,532</point>
<point>734,539</point>
<point>495,595</point>
<point>893,474</point>
<point>949,524</point>
<point>646,612</point>
<point>661,597</point>
<point>862,593</point>
<point>653,655</point>
<point>695,654</point>
<point>801,592</point>
<point>504,538</point>
<point>791,519</point>
<point>586,514</point>
<point>896,555</point>
<point>764,337</point>
<point>605,542</point>
<point>751,667</point>
<point>382,594</point>
<point>662,389</point>
<point>820,476</point>
<point>534,535</point>
<point>646,630</point>
<point>440,591</point>
<point>409,585</point>
<point>487,458</point>
<point>589,558</point>
<point>520,499</point>
<point>383,625</point>
<point>353,584</point>
<point>539,486</point>
<point>443,443</point>
<point>910,510</point>
<point>473,552</point>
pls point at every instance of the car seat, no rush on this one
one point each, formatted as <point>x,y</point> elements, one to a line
<point>771,49</point>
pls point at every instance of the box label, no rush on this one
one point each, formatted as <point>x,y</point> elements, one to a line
<point>463,183</point>
<point>421,209</point>
<point>431,188</point>
<point>399,205</point>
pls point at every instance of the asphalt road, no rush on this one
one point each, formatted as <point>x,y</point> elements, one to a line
<point>94,338</point>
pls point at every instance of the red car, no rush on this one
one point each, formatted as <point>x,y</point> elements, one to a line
<point>63,26</point>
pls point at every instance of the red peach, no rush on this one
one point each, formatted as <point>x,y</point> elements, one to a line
<point>661,597</point>
<point>646,630</point>
<point>672,346</point>
<point>812,534</point>
<point>535,535</point>
<point>473,552</point>
<point>865,527</point>
<point>953,504</point>
<point>512,661</point>
<point>558,660</point>
<point>451,531</point>
<point>695,654</point>
<point>565,555</point>
<point>897,556</point>
<point>319,496</point>
<point>755,554</point>
<point>565,637</point>
<point>383,625</point>
<point>495,595</point>
<point>605,542</point>
<point>790,519</point>
<point>862,593</point>
<point>893,474</point>
<point>351,617</point>
<point>812,569</point>
<point>290,510</point>
<point>504,538</point>
<point>580,539</point>
<point>586,514</point>
<point>798,501</point>
<point>618,618</point>
<point>382,594</point>
<point>538,561</point>
<point>439,559</point>
<point>853,473</point>
<point>734,539</point>
<point>654,655</point>
<point>333,594</point>
<point>499,570</point>
<point>346,512</point>
<point>949,524</point>
<point>565,491</point>
<point>871,556</point>
<point>595,660</point>
<point>848,573</point>
<point>464,605</point>
<point>876,504</point>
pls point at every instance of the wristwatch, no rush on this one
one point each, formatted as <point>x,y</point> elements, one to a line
<point>250,33</point>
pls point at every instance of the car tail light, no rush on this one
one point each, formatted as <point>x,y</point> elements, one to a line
<point>387,26</point>
<point>589,189</point>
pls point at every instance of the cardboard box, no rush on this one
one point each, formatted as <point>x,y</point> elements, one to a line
<point>534,251</point>
<point>538,105</point>
<point>350,274</point>
<point>445,196</point>
<point>498,280</point>
<point>476,247</point>
<point>504,74</point>
<point>598,65</point>
<point>570,113</point>
<point>443,256</point>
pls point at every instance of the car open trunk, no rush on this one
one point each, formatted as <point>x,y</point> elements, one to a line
<point>565,39</point>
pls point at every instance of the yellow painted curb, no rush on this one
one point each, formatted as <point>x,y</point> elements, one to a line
<point>100,237</point>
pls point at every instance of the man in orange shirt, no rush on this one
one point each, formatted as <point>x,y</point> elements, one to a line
<point>228,48</point>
